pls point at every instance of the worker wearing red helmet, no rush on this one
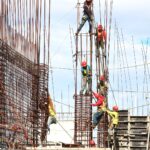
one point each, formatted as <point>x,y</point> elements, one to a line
<point>86,77</point>
<point>114,117</point>
<point>101,108</point>
<point>87,16</point>
<point>101,37</point>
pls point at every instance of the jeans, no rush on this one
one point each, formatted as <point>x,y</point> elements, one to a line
<point>85,18</point>
<point>86,84</point>
<point>97,117</point>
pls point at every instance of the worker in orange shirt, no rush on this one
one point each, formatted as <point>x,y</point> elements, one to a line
<point>101,37</point>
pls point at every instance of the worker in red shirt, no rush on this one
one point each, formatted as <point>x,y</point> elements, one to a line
<point>101,108</point>
<point>101,37</point>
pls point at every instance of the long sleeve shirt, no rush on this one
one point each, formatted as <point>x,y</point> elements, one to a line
<point>114,115</point>
<point>100,99</point>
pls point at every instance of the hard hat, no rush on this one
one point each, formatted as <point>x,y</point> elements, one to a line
<point>83,64</point>
<point>102,78</point>
<point>115,108</point>
<point>91,142</point>
<point>100,27</point>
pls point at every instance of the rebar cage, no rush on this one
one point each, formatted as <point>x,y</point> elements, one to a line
<point>21,86</point>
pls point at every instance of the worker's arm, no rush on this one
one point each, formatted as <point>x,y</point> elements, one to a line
<point>98,103</point>
<point>98,96</point>
<point>111,113</point>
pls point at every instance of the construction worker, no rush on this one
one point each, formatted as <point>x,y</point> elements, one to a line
<point>114,117</point>
<point>101,108</point>
<point>87,16</point>
<point>52,113</point>
<point>101,37</point>
<point>86,77</point>
<point>102,85</point>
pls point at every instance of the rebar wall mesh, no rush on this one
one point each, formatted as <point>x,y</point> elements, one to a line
<point>20,117</point>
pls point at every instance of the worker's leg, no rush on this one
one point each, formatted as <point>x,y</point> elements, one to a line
<point>49,122</point>
<point>83,85</point>
<point>102,47</point>
<point>90,25</point>
<point>97,49</point>
<point>84,19</point>
<point>102,44</point>
<point>89,81</point>
<point>96,118</point>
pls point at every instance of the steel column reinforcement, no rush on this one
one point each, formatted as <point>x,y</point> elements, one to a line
<point>21,86</point>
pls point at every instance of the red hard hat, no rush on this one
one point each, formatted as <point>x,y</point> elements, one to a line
<point>100,27</point>
<point>102,78</point>
<point>83,64</point>
<point>115,108</point>
<point>92,143</point>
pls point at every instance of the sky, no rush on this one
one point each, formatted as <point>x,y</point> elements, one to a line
<point>132,17</point>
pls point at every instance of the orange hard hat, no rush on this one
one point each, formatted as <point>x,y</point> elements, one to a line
<point>115,108</point>
<point>83,64</point>
<point>102,78</point>
<point>100,27</point>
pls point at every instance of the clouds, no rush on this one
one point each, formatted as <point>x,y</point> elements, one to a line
<point>132,16</point>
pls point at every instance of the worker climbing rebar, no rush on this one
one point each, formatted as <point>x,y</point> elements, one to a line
<point>88,15</point>
<point>101,37</point>
<point>86,78</point>
<point>102,85</point>
<point>114,117</point>
<point>101,109</point>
